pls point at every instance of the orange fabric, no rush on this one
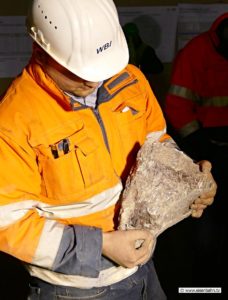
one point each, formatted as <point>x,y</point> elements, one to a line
<point>97,219</point>
<point>34,115</point>
<point>13,241</point>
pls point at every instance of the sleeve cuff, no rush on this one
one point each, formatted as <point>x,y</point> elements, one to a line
<point>80,251</point>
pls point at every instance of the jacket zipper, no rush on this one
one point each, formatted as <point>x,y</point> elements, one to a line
<point>101,123</point>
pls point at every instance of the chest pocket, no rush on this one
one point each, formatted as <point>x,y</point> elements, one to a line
<point>68,172</point>
<point>131,124</point>
<point>129,121</point>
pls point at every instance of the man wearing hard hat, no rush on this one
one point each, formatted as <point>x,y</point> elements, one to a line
<point>70,127</point>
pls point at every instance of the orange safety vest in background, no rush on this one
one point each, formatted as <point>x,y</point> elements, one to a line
<point>198,95</point>
<point>63,164</point>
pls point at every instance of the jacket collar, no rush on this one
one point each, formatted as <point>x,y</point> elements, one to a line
<point>106,92</point>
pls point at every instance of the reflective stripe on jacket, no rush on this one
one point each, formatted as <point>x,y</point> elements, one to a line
<point>198,95</point>
<point>62,165</point>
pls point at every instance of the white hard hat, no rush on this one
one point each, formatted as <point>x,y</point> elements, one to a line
<point>84,36</point>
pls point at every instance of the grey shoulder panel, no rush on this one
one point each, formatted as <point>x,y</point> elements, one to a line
<point>114,87</point>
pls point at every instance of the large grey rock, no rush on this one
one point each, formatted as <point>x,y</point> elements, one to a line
<point>160,188</point>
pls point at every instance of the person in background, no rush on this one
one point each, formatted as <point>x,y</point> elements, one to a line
<point>196,109</point>
<point>145,58</point>
<point>70,128</point>
<point>141,55</point>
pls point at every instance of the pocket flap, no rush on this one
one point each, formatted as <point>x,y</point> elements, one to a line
<point>55,134</point>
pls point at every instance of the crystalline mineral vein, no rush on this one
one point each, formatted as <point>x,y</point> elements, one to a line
<point>160,188</point>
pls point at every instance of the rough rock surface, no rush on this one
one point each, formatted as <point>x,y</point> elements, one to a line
<point>160,188</point>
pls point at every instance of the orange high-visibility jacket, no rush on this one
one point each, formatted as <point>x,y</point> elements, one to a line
<point>198,95</point>
<point>62,165</point>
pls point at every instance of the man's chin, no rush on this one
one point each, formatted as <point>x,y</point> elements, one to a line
<point>83,93</point>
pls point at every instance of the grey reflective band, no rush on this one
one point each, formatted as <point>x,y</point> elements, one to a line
<point>217,101</point>
<point>118,80</point>
<point>183,92</point>
<point>189,128</point>
<point>104,95</point>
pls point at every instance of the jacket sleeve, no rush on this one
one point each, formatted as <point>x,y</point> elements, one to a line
<point>183,101</point>
<point>155,121</point>
<point>183,96</point>
<point>29,236</point>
